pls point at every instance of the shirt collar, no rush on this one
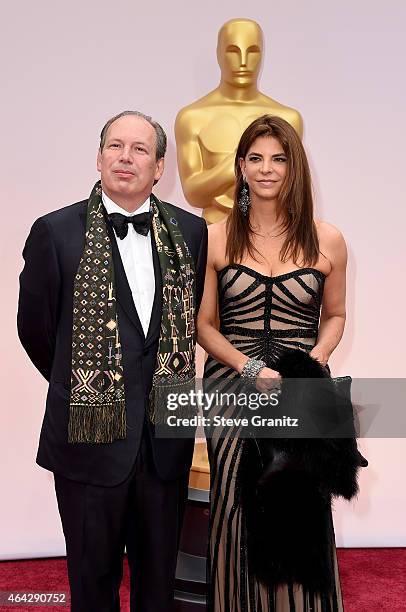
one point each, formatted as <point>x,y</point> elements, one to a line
<point>112,207</point>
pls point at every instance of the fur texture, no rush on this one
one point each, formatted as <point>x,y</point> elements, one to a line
<point>287,484</point>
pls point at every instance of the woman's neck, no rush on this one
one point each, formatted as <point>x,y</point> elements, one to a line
<point>263,217</point>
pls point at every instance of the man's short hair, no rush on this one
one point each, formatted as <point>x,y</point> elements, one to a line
<point>161,139</point>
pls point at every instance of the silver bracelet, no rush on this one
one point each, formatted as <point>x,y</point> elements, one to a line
<point>252,368</point>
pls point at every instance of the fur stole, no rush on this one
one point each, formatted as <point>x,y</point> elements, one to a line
<point>287,484</point>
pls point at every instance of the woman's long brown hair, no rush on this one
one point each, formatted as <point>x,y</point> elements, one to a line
<point>295,202</point>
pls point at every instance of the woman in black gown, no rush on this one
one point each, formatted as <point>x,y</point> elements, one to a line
<point>275,281</point>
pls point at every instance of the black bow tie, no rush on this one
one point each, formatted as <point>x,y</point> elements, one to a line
<point>141,223</point>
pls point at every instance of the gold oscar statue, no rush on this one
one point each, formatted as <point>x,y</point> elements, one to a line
<point>208,130</point>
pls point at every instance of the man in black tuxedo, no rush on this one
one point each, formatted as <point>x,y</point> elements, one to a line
<point>116,484</point>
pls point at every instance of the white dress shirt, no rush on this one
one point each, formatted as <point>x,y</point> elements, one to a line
<point>136,255</point>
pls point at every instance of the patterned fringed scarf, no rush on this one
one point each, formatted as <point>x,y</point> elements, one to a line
<point>97,400</point>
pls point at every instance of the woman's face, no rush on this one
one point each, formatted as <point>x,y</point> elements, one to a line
<point>265,168</point>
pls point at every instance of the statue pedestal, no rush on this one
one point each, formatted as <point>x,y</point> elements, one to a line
<point>200,471</point>
<point>190,587</point>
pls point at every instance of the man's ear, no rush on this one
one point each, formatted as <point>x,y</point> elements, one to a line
<point>99,160</point>
<point>160,165</point>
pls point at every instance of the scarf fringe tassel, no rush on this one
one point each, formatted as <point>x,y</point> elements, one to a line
<point>98,424</point>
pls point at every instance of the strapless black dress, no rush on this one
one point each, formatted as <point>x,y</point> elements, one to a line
<point>263,317</point>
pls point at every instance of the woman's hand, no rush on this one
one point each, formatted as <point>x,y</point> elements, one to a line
<point>268,380</point>
<point>320,355</point>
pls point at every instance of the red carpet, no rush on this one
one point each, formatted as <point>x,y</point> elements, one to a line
<point>373,580</point>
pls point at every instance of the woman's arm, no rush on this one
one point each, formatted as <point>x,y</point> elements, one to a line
<point>208,335</point>
<point>332,320</point>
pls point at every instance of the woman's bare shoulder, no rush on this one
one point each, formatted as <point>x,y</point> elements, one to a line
<point>217,235</point>
<point>217,243</point>
<point>218,229</point>
<point>328,232</point>
<point>331,242</point>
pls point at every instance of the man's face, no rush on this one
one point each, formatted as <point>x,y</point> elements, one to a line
<point>239,53</point>
<point>127,163</point>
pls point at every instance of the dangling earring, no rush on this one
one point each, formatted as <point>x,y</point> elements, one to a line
<point>244,200</point>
